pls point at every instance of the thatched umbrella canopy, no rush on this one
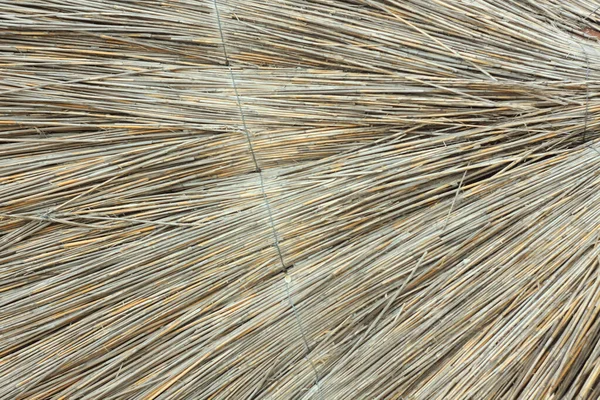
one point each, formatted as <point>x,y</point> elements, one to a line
<point>299,199</point>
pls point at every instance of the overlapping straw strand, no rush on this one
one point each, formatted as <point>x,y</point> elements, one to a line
<point>430,170</point>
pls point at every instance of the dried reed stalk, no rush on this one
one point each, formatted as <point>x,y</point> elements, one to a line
<point>299,199</point>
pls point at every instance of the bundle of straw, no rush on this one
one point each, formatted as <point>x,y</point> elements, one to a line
<point>299,199</point>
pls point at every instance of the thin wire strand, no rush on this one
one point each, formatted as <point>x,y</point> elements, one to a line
<point>587,92</point>
<point>287,277</point>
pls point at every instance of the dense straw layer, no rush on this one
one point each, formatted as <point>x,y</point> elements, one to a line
<point>320,199</point>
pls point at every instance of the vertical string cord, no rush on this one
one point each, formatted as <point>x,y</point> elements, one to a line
<point>257,169</point>
<point>587,92</point>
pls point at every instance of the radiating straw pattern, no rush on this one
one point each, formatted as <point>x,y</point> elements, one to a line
<point>294,199</point>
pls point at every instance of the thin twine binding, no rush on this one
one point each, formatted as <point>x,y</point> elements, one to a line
<point>587,92</point>
<point>257,169</point>
<point>587,88</point>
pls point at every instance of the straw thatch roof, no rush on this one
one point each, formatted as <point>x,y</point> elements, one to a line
<point>299,199</point>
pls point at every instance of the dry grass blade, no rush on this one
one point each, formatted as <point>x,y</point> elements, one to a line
<point>306,199</point>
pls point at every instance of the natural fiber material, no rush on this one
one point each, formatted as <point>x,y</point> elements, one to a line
<point>299,199</point>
